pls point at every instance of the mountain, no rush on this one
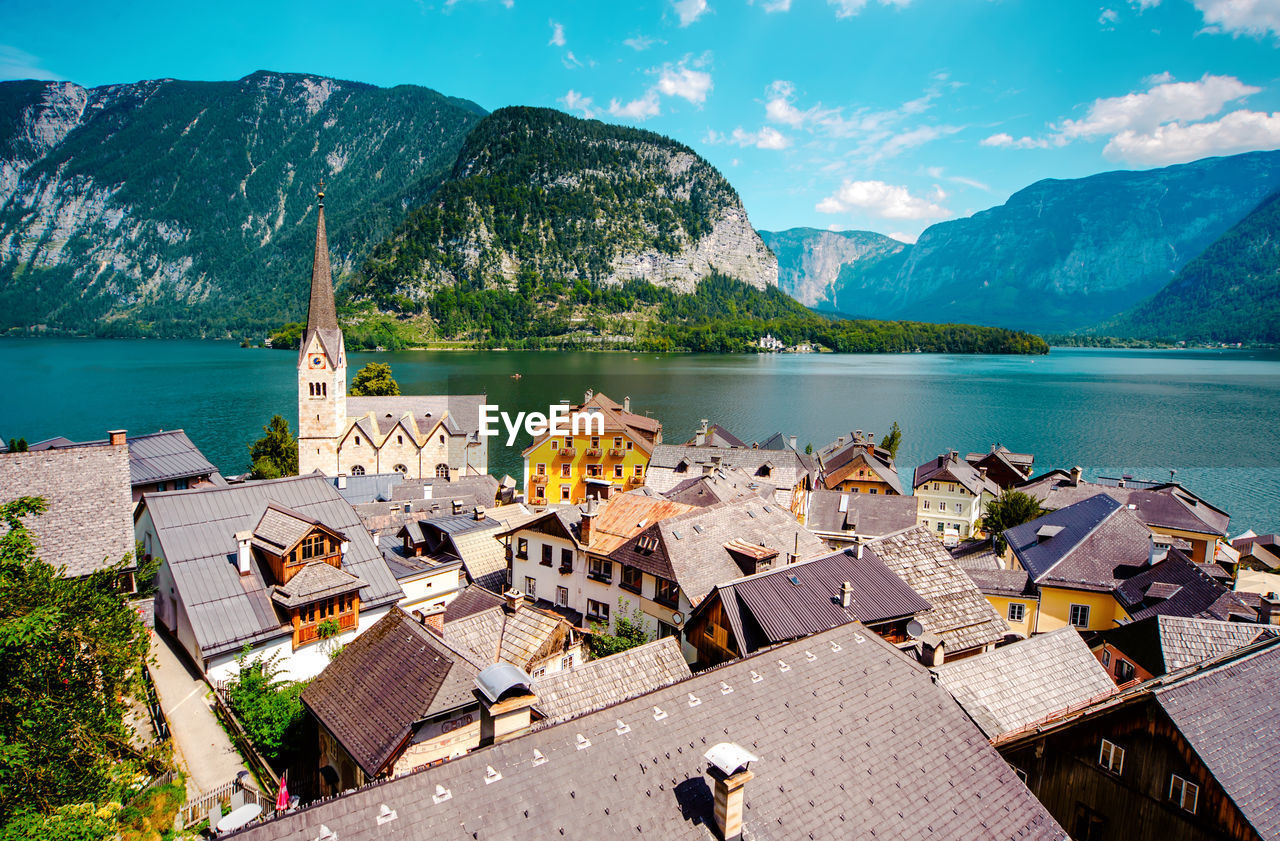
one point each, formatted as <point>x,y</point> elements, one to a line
<point>177,208</point>
<point>1060,254</point>
<point>538,197</point>
<point>810,260</point>
<point>1230,293</point>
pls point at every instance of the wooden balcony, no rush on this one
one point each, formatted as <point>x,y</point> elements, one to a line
<point>568,452</point>
<point>617,452</point>
<point>593,452</point>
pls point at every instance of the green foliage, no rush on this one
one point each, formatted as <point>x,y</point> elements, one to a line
<point>893,440</point>
<point>1011,508</point>
<point>17,445</point>
<point>145,576</point>
<point>629,629</point>
<point>70,650</point>
<point>73,822</point>
<point>288,337</point>
<point>808,449</point>
<point>374,380</point>
<point>149,816</point>
<point>270,709</point>
<point>275,454</point>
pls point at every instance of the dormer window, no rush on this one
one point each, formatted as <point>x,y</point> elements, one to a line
<point>312,547</point>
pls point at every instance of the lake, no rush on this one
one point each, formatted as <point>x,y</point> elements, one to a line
<point>1209,415</point>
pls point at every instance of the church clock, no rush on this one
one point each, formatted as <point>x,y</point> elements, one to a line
<point>316,361</point>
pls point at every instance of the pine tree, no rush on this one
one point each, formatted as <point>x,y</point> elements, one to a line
<point>275,454</point>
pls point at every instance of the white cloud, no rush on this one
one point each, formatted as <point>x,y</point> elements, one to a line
<point>1004,139</point>
<point>909,239</point>
<point>767,137</point>
<point>1108,17</point>
<point>637,109</point>
<point>887,201</point>
<point>1239,131</point>
<point>776,6</point>
<point>570,60</point>
<point>1165,102</point>
<point>682,81</point>
<point>1143,5</point>
<point>574,101</point>
<point>689,10</point>
<point>1241,17</point>
<point>19,64</point>
<point>849,8</point>
<point>557,34</point>
<point>640,43</point>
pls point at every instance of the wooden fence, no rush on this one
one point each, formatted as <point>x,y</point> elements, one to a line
<point>197,809</point>
<point>259,766</point>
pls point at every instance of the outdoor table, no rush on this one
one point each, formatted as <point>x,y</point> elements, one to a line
<point>238,818</point>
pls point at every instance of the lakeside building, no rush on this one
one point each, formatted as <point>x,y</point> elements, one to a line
<point>608,456</point>
<point>158,461</point>
<point>952,495</point>
<point>418,436</point>
<point>1004,467</point>
<point>856,464</point>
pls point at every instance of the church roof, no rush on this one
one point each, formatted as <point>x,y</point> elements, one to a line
<point>322,315</point>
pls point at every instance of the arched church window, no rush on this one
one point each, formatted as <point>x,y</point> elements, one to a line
<point>441,439</point>
<point>357,470</point>
<point>442,471</point>
<point>400,468</point>
<point>324,389</point>
<point>399,439</point>
<point>357,440</point>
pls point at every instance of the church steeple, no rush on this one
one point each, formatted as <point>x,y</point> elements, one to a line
<point>321,314</point>
<point>322,368</point>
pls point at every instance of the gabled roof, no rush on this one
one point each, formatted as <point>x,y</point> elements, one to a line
<point>720,485</point>
<point>88,525</point>
<point>597,684</point>
<point>624,516</point>
<point>718,436</point>
<point>1003,467</point>
<point>671,464</point>
<point>813,776</point>
<point>868,515</point>
<point>280,529</point>
<point>1176,586</point>
<point>776,441</point>
<point>838,459</point>
<point>641,429</point>
<point>500,635</point>
<point>1162,644</point>
<point>1001,582</point>
<point>378,416</point>
<point>1091,545</point>
<point>803,598</point>
<point>161,456</point>
<point>470,601</point>
<point>196,531</point>
<point>961,615</point>
<point>315,581</point>
<point>948,467</point>
<point>371,487</point>
<point>1167,505</point>
<point>385,681</point>
<point>1016,460</point>
<point>1012,687</point>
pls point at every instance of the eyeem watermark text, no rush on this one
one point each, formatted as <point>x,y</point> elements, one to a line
<point>557,421</point>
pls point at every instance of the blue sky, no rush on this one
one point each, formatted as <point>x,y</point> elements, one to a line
<point>885,115</point>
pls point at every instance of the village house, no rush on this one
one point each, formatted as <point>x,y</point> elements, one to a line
<point>952,496</point>
<point>88,523</point>
<point>158,461</point>
<point>1257,552</point>
<point>419,436</point>
<point>283,567</point>
<point>602,682</point>
<point>714,435</point>
<point>608,457</point>
<point>508,629</point>
<point>748,749</point>
<point>843,518</point>
<point>1007,469</point>
<point>1013,687</point>
<point>1167,508</point>
<point>1157,645</point>
<point>856,464</point>
<point>1189,756</point>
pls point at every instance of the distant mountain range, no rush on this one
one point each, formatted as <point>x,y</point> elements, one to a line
<point>1057,256</point>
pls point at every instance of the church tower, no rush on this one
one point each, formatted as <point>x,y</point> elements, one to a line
<point>322,369</point>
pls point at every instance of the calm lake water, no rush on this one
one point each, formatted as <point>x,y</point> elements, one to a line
<point>1210,415</point>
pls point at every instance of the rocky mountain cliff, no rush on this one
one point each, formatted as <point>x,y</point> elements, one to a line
<point>810,260</point>
<point>1059,255</point>
<point>1230,293</point>
<point>184,208</point>
<point>537,196</point>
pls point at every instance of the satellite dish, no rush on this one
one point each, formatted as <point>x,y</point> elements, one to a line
<point>915,629</point>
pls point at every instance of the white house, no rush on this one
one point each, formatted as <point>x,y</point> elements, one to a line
<point>952,495</point>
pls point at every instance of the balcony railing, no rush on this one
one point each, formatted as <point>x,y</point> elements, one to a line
<point>617,452</point>
<point>593,452</point>
<point>568,452</point>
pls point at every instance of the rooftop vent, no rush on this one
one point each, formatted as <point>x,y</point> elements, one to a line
<point>728,769</point>
<point>1046,532</point>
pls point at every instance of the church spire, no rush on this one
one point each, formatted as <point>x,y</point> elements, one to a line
<point>321,315</point>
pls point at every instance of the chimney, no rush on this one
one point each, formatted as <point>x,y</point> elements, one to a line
<point>840,441</point>
<point>1075,476</point>
<point>857,435</point>
<point>118,437</point>
<point>434,623</point>
<point>1120,483</point>
<point>982,471</point>
<point>727,767</point>
<point>457,506</point>
<point>342,482</point>
<point>586,398</point>
<point>244,554</point>
<point>514,597</point>
<point>846,594</point>
<point>792,440</point>
<point>932,650</point>
<point>506,698</point>
<point>626,403</point>
<point>478,513</point>
<point>346,544</point>
<point>584,528</point>
<point>953,455</point>
<point>1269,609</point>
<point>859,548</point>
<point>700,437</point>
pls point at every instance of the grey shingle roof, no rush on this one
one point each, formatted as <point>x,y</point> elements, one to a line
<point>951,468</point>
<point>836,460</point>
<point>279,529</point>
<point>1002,582</point>
<point>392,676</point>
<point>720,485</point>
<point>961,615</point>
<point>1228,714</point>
<point>1100,544</point>
<point>1187,591</point>
<point>869,515</point>
<point>1169,505</point>
<point>315,581</point>
<point>196,531</point>
<point>371,487</point>
<point>718,436</point>
<point>89,522</point>
<point>1012,687</point>
<point>1162,644</point>
<point>496,635</point>
<point>784,469</point>
<point>463,409</point>
<point>846,735</point>
<point>597,684</point>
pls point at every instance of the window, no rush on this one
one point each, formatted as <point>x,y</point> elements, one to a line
<point>546,555</point>
<point>540,469</point>
<point>161,486</point>
<point>1106,657</point>
<point>1111,757</point>
<point>941,526</point>
<point>926,505</point>
<point>564,491</point>
<point>539,493</point>
<point>530,587</point>
<point>1022,775</point>
<point>562,597</point>
<point>400,468</point>
<point>959,507</point>
<point>312,547</point>
<point>568,442</point>
<point>1080,615</point>
<point>179,484</point>
<point>357,440</point>
<point>566,470</point>
<point>631,578</point>
<point>442,471</point>
<point>639,470</point>
<point>617,443</point>
<point>566,560</point>
<point>399,439</point>
<point>665,630</point>
<point>1124,670</point>
<point>875,490</point>
<point>942,506</point>
<point>357,470</point>
<point>595,471</point>
<point>555,445</point>
<point>1089,825</point>
<point>666,592</point>
<point>1017,612</point>
<point>595,442</point>
<point>597,611</point>
<point>617,471</point>
<point>566,662</point>
<point>600,570</point>
<point>522,547</point>
<point>935,486</point>
<point>1184,794</point>
<point>628,445</point>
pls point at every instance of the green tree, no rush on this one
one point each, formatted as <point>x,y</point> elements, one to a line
<point>892,441</point>
<point>630,633</point>
<point>269,708</point>
<point>808,449</point>
<point>275,454</point>
<point>70,652</point>
<point>1011,508</point>
<point>374,380</point>
<point>17,445</point>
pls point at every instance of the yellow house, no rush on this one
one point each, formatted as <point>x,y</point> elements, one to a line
<point>608,453</point>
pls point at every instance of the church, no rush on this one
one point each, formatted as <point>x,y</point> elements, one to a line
<point>419,436</point>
